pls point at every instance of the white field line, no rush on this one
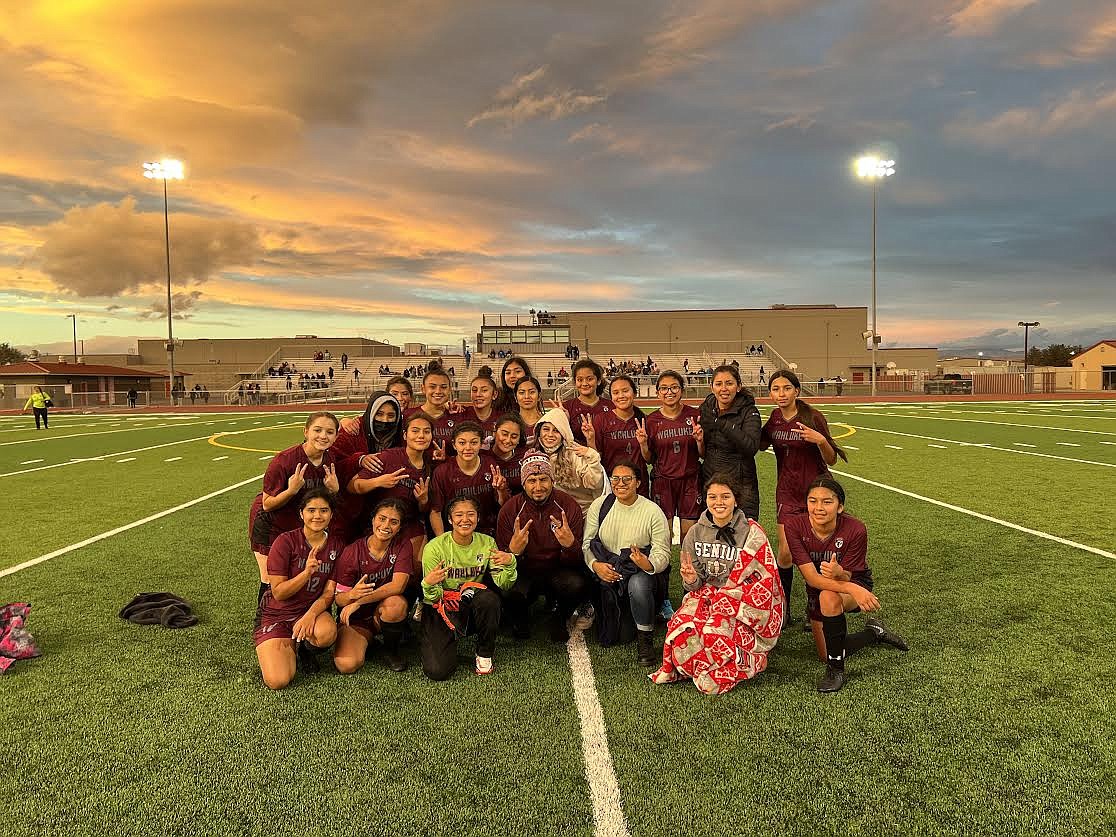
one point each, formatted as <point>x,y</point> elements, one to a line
<point>943,447</point>
<point>1108,443</point>
<point>219,458</point>
<point>850,447</point>
<point>98,433</point>
<point>604,790</point>
<point>982,421</point>
<point>893,447</point>
<point>173,459</point>
<point>127,459</point>
<point>1037,533</point>
<point>134,524</point>
<point>1024,445</point>
<point>32,461</point>
<point>1068,444</point>
<point>984,446</point>
<point>141,450</point>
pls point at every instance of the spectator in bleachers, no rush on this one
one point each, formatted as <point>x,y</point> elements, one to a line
<point>290,384</point>
<point>356,375</point>
<point>331,374</point>
<point>344,361</point>
<point>205,394</point>
<point>550,379</point>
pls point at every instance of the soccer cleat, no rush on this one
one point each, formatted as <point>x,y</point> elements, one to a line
<point>666,611</point>
<point>832,680</point>
<point>484,666</point>
<point>884,635</point>
<point>394,661</point>
<point>645,648</point>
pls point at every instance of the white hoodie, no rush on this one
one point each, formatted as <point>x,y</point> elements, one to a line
<point>577,468</point>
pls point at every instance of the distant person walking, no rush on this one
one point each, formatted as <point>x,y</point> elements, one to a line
<point>39,402</point>
<point>133,396</point>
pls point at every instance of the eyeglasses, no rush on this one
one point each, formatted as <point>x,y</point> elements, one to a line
<point>621,480</point>
<point>670,389</point>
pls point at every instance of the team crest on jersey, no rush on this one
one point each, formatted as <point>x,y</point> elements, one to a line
<point>840,542</point>
<point>690,421</point>
<point>488,477</point>
<point>449,423</point>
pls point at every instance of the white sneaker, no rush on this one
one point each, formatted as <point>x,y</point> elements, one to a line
<point>484,665</point>
<point>584,616</point>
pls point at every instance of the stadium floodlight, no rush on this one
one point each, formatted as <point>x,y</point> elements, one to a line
<point>1026,349</point>
<point>74,318</point>
<point>165,170</point>
<point>874,168</point>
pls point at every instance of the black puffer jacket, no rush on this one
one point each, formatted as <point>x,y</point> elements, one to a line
<point>732,439</point>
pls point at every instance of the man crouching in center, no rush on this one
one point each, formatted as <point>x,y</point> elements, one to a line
<point>543,528</point>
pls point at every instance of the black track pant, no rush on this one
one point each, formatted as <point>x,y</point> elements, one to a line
<point>568,585</point>
<point>40,413</point>
<point>480,616</point>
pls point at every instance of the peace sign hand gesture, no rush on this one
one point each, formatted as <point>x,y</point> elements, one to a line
<point>331,482</point>
<point>422,491</point>
<point>312,562</point>
<point>687,570</point>
<point>499,481</point>
<point>298,478</point>
<point>393,479</point>
<point>436,575</point>
<point>641,432</point>
<point>699,434</point>
<point>563,533</point>
<point>587,429</point>
<point>439,454</point>
<point>520,536</point>
<point>809,434</point>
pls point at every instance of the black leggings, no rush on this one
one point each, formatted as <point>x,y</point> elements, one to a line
<point>480,614</point>
<point>40,413</point>
<point>568,585</point>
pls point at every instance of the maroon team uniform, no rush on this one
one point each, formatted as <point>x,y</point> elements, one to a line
<point>450,481</point>
<point>616,442</point>
<point>441,427</point>
<point>510,469</point>
<point>674,455</point>
<point>798,462</point>
<point>265,526</point>
<point>488,425</point>
<point>275,619</point>
<point>392,459</point>
<point>356,561</point>
<point>575,408</point>
<point>848,544</point>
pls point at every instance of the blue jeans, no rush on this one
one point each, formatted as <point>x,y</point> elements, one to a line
<point>641,599</point>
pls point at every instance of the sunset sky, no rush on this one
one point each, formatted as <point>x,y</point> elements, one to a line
<point>393,170</point>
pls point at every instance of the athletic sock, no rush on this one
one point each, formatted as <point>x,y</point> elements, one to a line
<point>835,629</point>
<point>786,578</point>
<point>854,642</point>
<point>264,587</point>
<point>393,636</point>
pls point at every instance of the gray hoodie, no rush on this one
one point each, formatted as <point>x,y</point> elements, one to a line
<point>714,558</point>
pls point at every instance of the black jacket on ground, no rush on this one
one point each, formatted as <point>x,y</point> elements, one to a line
<point>732,439</point>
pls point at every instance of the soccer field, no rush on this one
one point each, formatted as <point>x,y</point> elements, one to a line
<point>992,545</point>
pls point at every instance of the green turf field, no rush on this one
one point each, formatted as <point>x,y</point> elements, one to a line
<point>994,563</point>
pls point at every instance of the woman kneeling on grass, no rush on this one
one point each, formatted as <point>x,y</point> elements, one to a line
<point>372,577</point>
<point>293,622</point>
<point>831,550</point>
<point>732,613</point>
<point>458,601</point>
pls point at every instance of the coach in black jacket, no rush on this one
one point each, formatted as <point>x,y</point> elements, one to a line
<point>730,421</point>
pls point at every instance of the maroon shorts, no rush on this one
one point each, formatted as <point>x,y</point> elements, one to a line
<point>813,598</point>
<point>785,511</point>
<point>677,496</point>
<point>273,629</point>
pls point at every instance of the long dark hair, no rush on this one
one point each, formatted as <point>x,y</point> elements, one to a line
<point>595,368</point>
<point>806,413</point>
<point>506,401</point>
<point>639,414</point>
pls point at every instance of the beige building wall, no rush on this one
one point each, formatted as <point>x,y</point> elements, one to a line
<point>1087,366</point>
<point>823,340</point>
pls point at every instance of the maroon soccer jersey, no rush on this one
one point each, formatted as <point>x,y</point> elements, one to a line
<point>488,425</point>
<point>442,427</point>
<point>510,469</point>
<point>575,408</point>
<point>357,560</point>
<point>848,544</point>
<point>674,452</point>
<point>450,481</point>
<point>392,460</point>
<point>288,558</point>
<point>348,443</point>
<point>279,470</point>
<point>798,462</point>
<point>616,441</point>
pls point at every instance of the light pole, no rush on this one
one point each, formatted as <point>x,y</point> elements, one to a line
<point>74,318</point>
<point>871,167</point>
<point>167,170</point>
<point>1026,347</point>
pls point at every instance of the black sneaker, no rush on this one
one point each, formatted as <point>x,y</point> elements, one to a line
<point>645,648</point>
<point>884,635</point>
<point>394,661</point>
<point>559,633</point>
<point>306,661</point>
<point>833,679</point>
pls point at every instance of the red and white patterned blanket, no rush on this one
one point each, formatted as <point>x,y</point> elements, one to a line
<point>721,636</point>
